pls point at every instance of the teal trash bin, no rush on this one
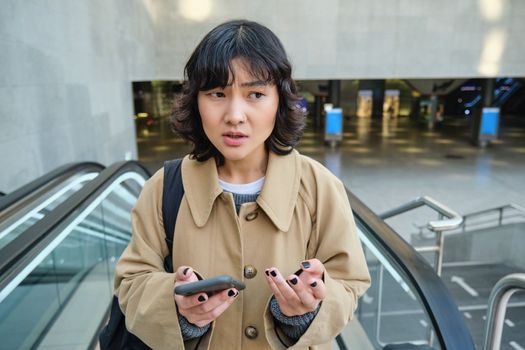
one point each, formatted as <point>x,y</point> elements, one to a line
<point>334,126</point>
<point>488,127</point>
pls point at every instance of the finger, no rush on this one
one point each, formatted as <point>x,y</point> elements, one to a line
<point>304,292</point>
<point>216,312</point>
<point>313,267</point>
<point>216,300</point>
<point>318,288</point>
<point>210,310</point>
<point>288,294</point>
<point>190,301</point>
<point>276,292</point>
<point>185,274</point>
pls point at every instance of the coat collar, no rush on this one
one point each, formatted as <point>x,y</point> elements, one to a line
<point>277,198</point>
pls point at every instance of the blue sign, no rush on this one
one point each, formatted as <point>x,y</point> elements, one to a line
<point>334,121</point>
<point>489,121</point>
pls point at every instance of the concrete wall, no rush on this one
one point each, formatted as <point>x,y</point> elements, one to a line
<point>65,83</point>
<point>495,245</point>
<point>67,66</point>
<point>364,39</point>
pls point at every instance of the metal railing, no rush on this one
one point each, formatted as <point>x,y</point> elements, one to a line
<point>453,221</point>
<point>448,329</point>
<point>500,210</point>
<point>498,300</point>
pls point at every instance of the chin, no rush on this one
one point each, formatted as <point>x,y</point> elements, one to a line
<point>233,157</point>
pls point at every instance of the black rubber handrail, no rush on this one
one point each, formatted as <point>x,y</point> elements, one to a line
<point>21,251</point>
<point>448,323</point>
<point>56,176</point>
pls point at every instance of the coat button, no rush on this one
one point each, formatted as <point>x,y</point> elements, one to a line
<point>250,271</point>
<point>251,216</point>
<point>251,332</point>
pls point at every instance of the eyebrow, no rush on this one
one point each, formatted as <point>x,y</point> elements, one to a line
<point>252,83</point>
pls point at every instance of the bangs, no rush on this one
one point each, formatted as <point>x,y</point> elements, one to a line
<point>258,49</point>
<point>219,72</point>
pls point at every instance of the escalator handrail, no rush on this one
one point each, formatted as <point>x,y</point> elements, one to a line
<point>17,254</point>
<point>58,175</point>
<point>448,323</point>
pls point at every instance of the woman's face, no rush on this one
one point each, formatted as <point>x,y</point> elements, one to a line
<point>239,118</point>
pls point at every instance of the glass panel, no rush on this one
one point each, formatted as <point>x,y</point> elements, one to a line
<point>64,299</point>
<point>389,312</point>
<point>12,226</point>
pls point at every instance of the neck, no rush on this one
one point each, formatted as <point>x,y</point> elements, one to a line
<point>241,172</point>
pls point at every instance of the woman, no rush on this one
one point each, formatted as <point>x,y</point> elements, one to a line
<point>254,208</point>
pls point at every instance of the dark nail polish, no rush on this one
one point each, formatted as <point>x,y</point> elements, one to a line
<point>273,273</point>
<point>201,298</point>
<point>231,293</point>
<point>294,281</point>
<point>306,264</point>
<point>298,272</point>
<point>267,273</point>
<point>185,271</point>
<point>313,284</point>
<point>236,294</point>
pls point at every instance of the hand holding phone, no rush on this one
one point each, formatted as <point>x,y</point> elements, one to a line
<point>197,304</point>
<point>209,286</point>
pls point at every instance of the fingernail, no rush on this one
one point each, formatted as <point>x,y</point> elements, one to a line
<point>201,298</point>
<point>294,281</point>
<point>267,272</point>
<point>313,284</point>
<point>231,293</point>
<point>236,294</point>
<point>305,264</point>
<point>298,272</point>
<point>185,271</point>
<point>273,273</point>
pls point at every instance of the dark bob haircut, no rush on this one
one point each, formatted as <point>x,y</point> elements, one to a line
<point>210,67</point>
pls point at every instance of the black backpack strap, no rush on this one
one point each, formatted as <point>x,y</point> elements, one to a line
<point>172,194</point>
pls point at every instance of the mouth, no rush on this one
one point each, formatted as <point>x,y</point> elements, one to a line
<point>234,138</point>
<point>234,135</point>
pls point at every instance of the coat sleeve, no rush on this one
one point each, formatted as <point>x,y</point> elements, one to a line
<point>335,243</point>
<point>143,288</point>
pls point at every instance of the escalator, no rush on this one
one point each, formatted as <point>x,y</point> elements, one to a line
<point>56,277</point>
<point>25,206</point>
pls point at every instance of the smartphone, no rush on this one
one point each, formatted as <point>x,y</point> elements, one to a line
<point>209,286</point>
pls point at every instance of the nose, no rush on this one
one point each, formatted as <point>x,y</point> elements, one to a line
<point>235,113</point>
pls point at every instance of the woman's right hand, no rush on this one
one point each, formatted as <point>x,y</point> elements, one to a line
<point>200,309</point>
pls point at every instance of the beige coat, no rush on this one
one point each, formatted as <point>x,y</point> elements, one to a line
<point>301,213</point>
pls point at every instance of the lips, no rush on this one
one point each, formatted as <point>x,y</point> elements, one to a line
<point>234,138</point>
<point>234,134</point>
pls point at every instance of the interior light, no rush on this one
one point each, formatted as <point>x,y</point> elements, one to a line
<point>196,10</point>
<point>491,10</point>
<point>493,46</point>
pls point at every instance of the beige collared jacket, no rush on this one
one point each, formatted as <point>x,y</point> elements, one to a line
<point>301,213</point>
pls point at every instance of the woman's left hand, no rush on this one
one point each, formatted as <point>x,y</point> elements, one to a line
<point>301,292</point>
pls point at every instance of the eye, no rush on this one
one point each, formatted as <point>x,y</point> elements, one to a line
<point>256,95</point>
<point>216,94</point>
